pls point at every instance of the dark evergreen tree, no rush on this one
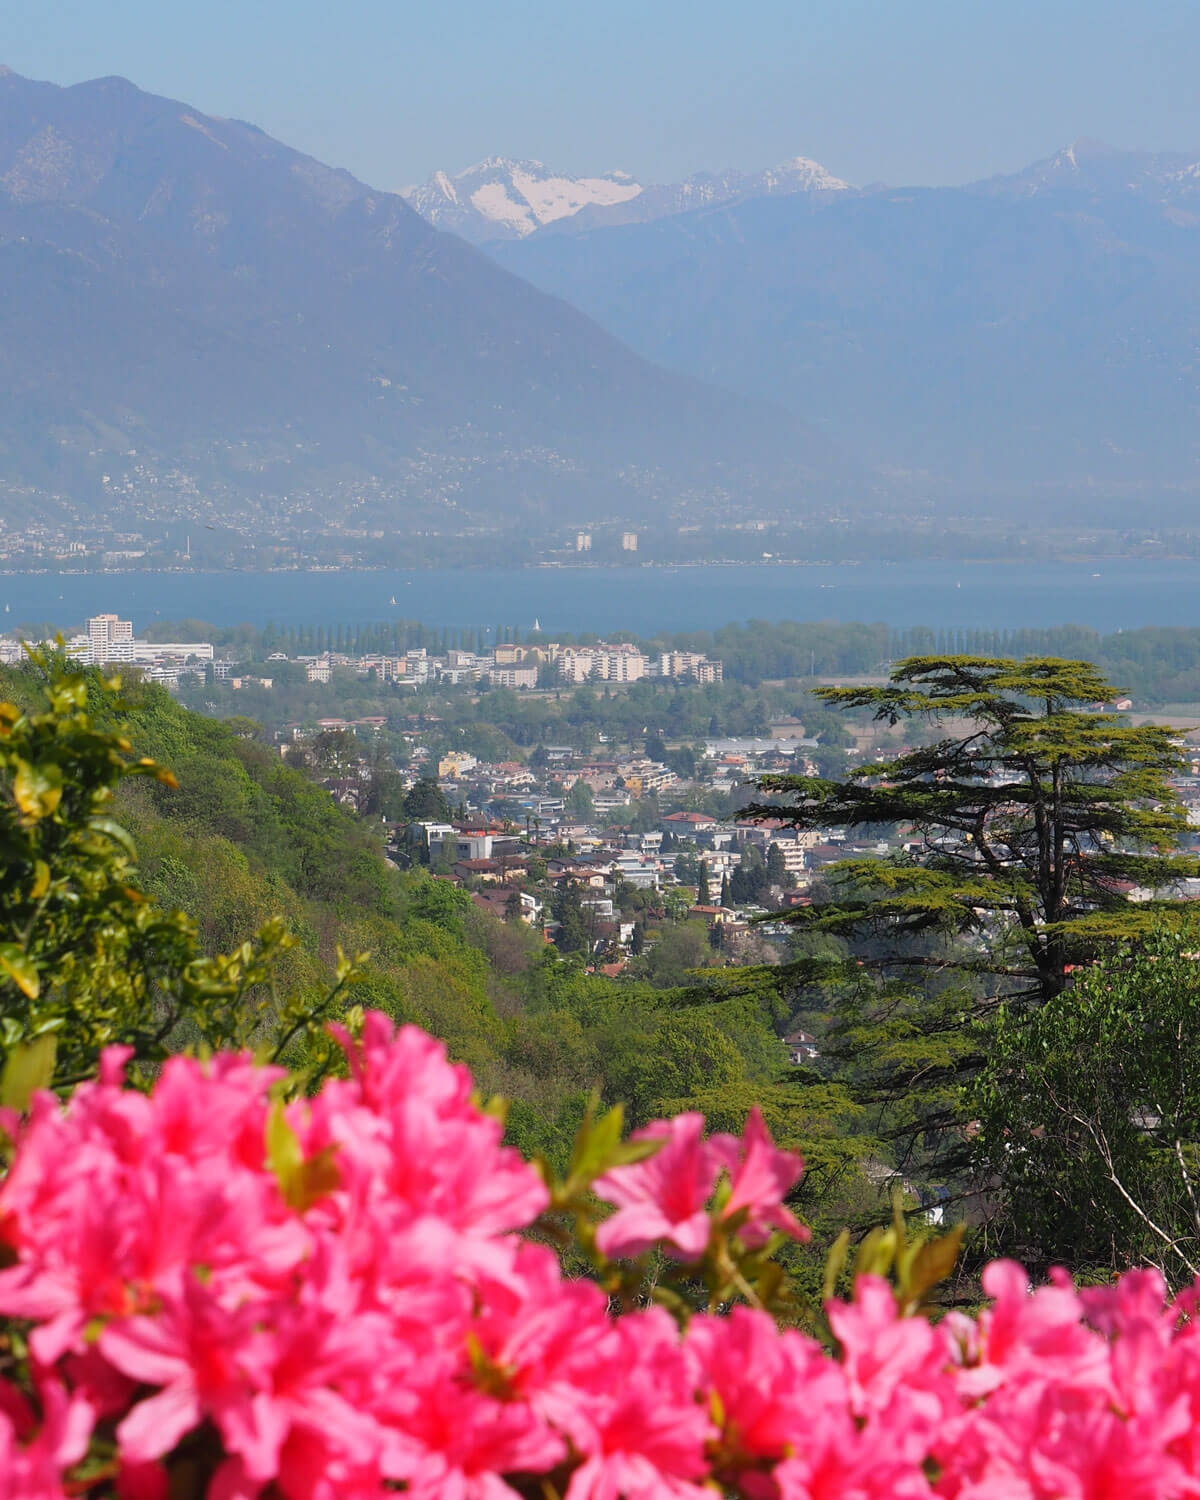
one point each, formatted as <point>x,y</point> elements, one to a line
<point>426,802</point>
<point>572,934</point>
<point>1042,819</point>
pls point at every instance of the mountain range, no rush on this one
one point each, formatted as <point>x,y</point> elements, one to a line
<point>186,302</point>
<point>1034,335</point>
<point>191,311</point>
<point>499,199</point>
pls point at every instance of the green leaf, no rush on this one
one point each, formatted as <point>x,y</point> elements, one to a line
<point>835,1262</point>
<point>933,1262</point>
<point>19,967</point>
<point>37,790</point>
<point>114,831</point>
<point>301,1181</point>
<point>26,1069</point>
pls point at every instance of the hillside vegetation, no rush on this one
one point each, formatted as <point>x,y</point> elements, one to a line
<point>244,837</point>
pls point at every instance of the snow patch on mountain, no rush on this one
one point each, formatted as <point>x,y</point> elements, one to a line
<point>500,199</point>
<point>551,198</point>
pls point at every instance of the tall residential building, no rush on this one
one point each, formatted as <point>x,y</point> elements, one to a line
<point>629,541</point>
<point>109,639</point>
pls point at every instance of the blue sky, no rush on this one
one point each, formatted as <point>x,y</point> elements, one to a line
<point>900,91</point>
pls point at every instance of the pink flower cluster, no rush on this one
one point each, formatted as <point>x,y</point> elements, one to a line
<point>333,1300</point>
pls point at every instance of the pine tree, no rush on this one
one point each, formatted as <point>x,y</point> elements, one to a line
<point>1042,820</point>
<point>702,891</point>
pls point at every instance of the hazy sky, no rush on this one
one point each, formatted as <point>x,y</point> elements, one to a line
<point>900,91</point>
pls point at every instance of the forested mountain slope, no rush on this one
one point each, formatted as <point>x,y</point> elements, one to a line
<point>181,295</point>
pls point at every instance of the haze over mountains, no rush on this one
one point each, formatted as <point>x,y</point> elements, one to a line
<point>1037,334</point>
<point>188,307</point>
<point>186,302</point>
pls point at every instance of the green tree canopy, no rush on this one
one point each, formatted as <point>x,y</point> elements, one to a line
<point>579,801</point>
<point>426,802</point>
<point>1089,1114</point>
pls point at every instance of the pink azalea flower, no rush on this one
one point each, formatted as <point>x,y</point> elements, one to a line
<point>649,1432</point>
<point>881,1351</point>
<point>454,1440</point>
<point>396,1328</point>
<point>767,1384</point>
<point>761,1176</point>
<point>33,1458</point>
<point>663,1198</point>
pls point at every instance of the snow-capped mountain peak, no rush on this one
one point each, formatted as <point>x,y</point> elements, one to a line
<point>1092,166</point>
<point>800,174</point>
<point>499,198</point>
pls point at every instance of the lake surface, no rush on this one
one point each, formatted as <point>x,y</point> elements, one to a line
<point>1107,596</point>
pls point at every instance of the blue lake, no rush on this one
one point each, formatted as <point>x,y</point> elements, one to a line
<point>1107,596</point>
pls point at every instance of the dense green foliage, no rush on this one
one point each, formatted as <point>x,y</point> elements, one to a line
<point>1090,1115</point>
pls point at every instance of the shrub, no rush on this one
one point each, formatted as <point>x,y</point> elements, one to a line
<point>212,1291</point>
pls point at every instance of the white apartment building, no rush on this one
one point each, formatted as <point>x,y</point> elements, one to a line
<point>109,639</point>
<point>793,854</point>
<point>688,664</point>
<point>514,677</point>
<point>639,870</point>
<point>609,663</point>
<point>417,666</point>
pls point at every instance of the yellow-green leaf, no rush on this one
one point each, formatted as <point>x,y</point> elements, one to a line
<point>933,1262</point>
<point>19,967</point>
<point>28,1067</point>
<point>114,831</point>
<point>37,790</point>
<point>835,1263</point>
<point>41,880</point>
<point>302,1181</point>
